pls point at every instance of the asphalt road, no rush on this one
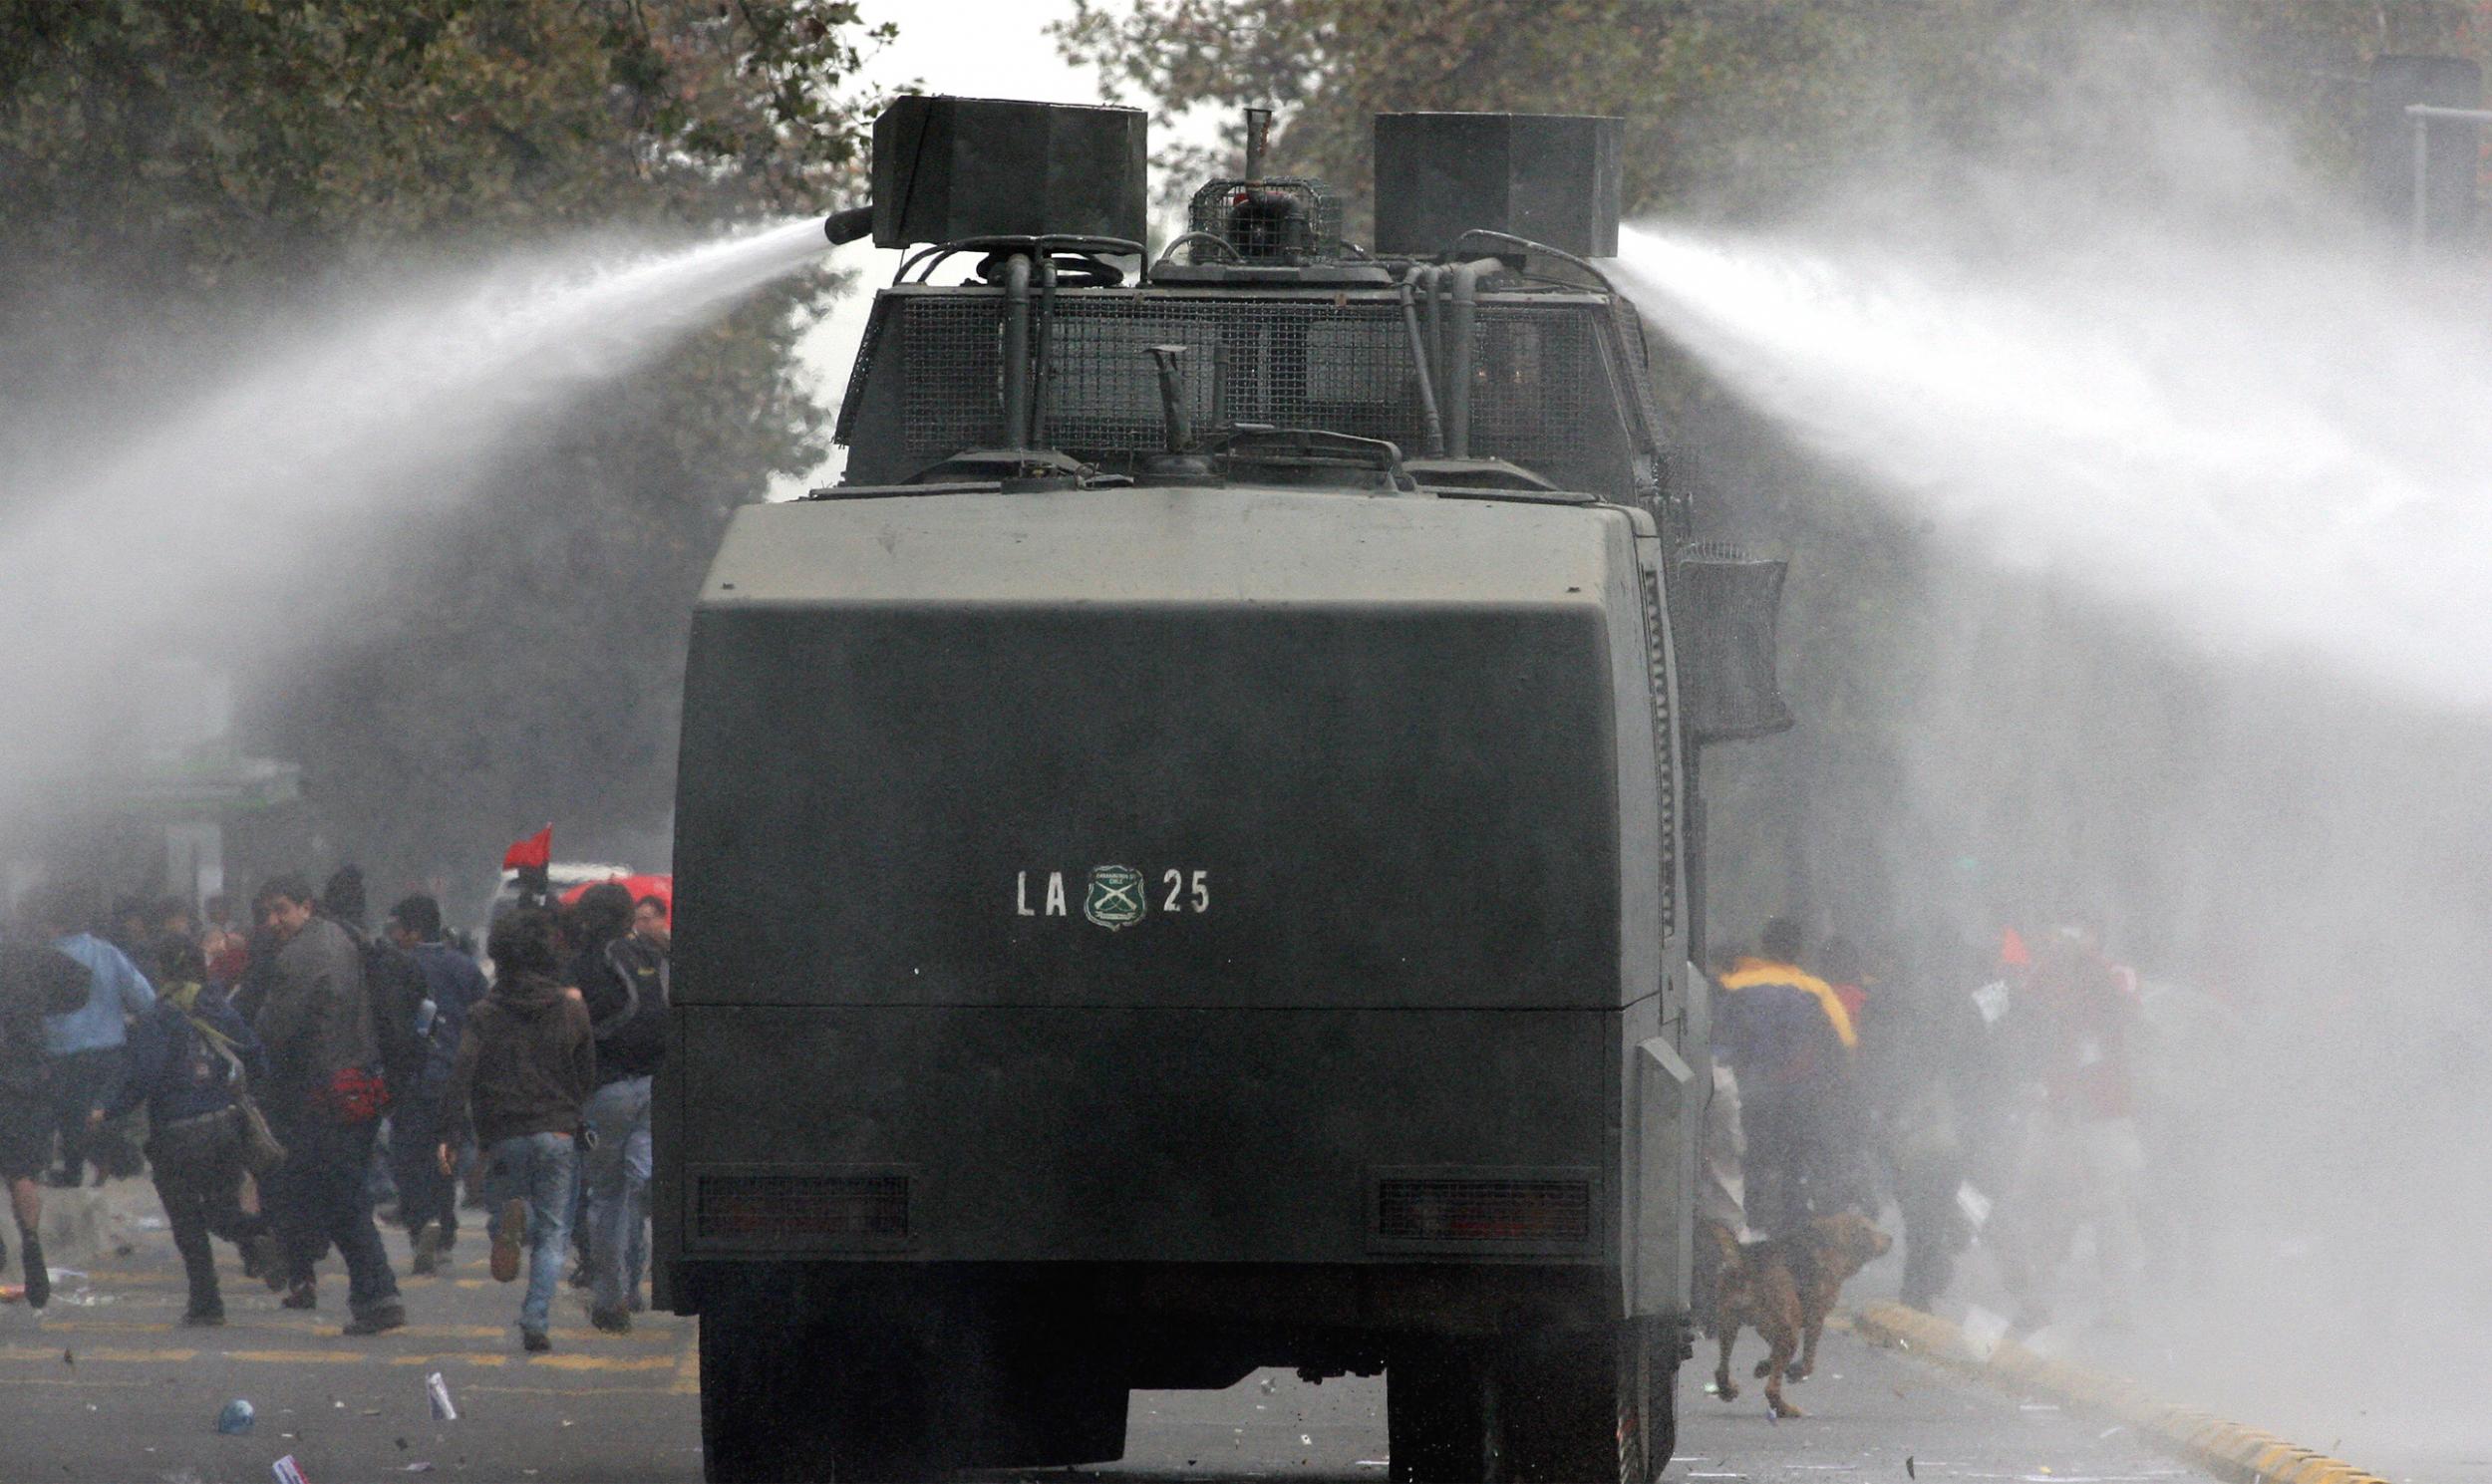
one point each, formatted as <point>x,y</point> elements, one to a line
<point>104,1386</point>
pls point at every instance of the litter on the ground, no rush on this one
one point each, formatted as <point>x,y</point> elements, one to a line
<point>1983,1330</point>
<point>286,1471</point>
<point>235,1418</point>
<point>437,1391</point>
<point>1974,1205</point>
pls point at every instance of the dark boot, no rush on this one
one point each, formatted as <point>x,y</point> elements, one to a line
<point>38,1276</point>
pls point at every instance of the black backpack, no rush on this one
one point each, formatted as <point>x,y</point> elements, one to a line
<point>397,991</point>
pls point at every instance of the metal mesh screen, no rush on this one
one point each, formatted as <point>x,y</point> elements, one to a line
<point>1541,396</point>
<point>1484,1210</point>
<point>1656,625</point>
<point>801,1208</point>
<point>1239,212</point>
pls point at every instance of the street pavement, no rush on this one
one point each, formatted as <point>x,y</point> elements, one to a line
<point>106,1386</point>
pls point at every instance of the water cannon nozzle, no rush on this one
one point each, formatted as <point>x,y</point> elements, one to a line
<point>843,227</point>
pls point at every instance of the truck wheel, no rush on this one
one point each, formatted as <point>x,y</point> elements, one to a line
<point>1442,1417</point>
<point>764,1415</point>
<point>1601,1405</point>
<point>882,1423</point>
<point>1661,1410</point>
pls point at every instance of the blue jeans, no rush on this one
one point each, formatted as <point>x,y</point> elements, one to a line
<point>618,1191</point>
<point>537,1168</point>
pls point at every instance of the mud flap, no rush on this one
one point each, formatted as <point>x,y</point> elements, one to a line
<point>1668,1117</point>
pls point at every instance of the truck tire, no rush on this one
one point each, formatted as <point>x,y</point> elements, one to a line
<point>1441,1417</point>
<point>764,1412</point>
<point>1591,1406</point>
<point>884,1389</point>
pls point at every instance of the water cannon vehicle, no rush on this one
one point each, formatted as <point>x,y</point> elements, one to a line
<point>1190,854</point>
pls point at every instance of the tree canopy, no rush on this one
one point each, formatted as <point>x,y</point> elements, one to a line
<point>167,160</point>
<point>1751,114</point>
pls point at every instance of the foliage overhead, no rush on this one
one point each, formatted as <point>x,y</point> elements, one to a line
<point>169,162</point>
<point>1751,114</point>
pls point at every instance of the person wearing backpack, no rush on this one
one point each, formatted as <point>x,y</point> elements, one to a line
<point>428,1198</point>
<point>325,1102</point>
<point>622,977</point>
<point>190,1061</point>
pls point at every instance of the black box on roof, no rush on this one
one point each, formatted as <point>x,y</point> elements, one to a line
<point>946,169</point>
<point>1551,177</point>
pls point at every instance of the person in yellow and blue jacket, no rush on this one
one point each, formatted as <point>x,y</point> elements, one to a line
<point>1790,1043</point>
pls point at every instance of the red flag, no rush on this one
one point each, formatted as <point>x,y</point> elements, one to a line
<point>536,852</point>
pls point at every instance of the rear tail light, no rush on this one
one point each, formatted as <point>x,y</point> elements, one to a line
<point>1484,1209</point>
<point>798,1210</point>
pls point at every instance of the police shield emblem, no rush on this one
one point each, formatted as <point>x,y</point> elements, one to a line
<point>1116,897</point>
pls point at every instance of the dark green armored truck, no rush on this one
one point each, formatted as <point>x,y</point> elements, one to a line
<point>1185,858</point>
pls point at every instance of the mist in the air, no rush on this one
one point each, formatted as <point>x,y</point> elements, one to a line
<point>2140,495</point>
<point>258,492</point>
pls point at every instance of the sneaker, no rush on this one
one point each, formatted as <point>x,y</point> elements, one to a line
<point>379,1318</point>
<point>511,1234</point>
<point>612,1320</point>
<point>428,1251</point>
<point>302,1296</point>
<point>534,1341</point>
<point>204,1319</point>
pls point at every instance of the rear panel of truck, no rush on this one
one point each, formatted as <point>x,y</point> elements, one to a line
<point>1203,876</point>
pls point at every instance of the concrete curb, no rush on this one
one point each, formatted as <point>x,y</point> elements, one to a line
<point>2226,1449</point>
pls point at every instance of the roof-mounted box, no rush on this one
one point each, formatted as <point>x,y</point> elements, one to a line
<point>947,169</point>
<point>1551,177</point>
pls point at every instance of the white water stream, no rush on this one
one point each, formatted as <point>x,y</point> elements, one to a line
<point>258,505</point>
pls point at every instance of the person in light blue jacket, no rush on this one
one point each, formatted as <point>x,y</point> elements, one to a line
<point>86,1046</point>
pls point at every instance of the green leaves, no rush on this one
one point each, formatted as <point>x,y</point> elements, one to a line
<point>175,163</point>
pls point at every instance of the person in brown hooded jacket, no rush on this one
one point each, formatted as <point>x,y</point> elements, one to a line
<point>526,1065</point>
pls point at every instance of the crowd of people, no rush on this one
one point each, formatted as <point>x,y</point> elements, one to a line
<point>284,1081</point>
<point>1985,1092</point>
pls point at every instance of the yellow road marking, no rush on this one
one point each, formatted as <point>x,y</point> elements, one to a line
<point>411,1332</point>
<point>56,1380</point>
<point>300,1358</point>
<point>605,1363</point>
<point>469,1359</point>
<point>688,1372</point>
<point>53,1357</point>
<point>568,1391</point>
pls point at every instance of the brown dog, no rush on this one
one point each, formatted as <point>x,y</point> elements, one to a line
<point>1784,1289</point>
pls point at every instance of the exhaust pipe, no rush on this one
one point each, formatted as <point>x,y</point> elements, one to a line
<point>1461,316</point>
